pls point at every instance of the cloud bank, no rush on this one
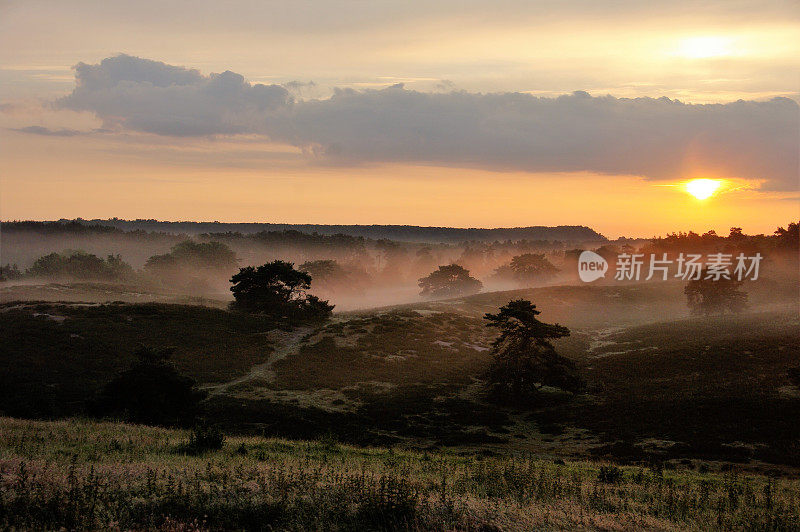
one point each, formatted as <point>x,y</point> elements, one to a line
<point>654,138</point>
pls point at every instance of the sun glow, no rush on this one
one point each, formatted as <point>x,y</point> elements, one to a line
<point>704,47</point>
<point>702,188</point>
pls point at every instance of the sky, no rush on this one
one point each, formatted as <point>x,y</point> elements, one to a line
<point>467,114</point>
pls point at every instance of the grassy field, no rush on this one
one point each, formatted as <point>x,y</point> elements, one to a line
<point>677,389</point>
<point>85,474</point>
<point>53,356</point>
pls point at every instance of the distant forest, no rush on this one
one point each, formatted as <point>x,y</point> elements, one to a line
<point>400,233</point>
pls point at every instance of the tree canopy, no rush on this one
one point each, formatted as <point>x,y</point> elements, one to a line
<point>715,296</point>
<point>449,281</point>
<point>194,255</point>
<point>277,289</point>
<point>80,265</point>
<point>527,268</point>
<point>524,359</point>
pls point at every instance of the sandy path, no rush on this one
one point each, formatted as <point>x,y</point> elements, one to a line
<point>288,343</point>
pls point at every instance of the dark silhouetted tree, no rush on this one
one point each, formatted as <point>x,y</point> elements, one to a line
<point>80,265</point>
<point>151,391</point>
<point>736,234</point>
<point>524,359</point>
<point>449,281</point>
<point>709,296</point>
<point>789,238</point>
<point>277,289</point>
<point>526,269</point>
<point>10,272</point>
<point>195,256</point>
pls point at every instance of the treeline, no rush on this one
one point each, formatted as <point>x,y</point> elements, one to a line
<point>186,262</point>
<point>78,227</point>
<point>345,265</point>
<point>402,233</point>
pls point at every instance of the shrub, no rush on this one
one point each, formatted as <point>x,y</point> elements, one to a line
<point>151,391</point>
<point>204,438</point>
<point>610,474</point>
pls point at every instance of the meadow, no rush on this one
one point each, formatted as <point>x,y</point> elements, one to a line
<point>89,474</point>
<point>379,419</point>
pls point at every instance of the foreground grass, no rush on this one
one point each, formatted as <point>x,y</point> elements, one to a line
<point>83,474</point>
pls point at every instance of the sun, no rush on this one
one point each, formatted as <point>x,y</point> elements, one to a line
<point>702,188</point>
<point>704,47</point>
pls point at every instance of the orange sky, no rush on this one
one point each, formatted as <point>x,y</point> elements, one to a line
<point>68,186</point>
<point>711,53</point>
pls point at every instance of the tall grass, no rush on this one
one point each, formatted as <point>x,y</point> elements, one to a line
<point>88,475</point>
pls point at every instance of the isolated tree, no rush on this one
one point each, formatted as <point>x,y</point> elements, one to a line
<point>524,360</point>
<point>449,281</point>
<point>194,256</point>
<point>151,391</point>
<point>278,289</point>
<point>527,268</point>
<point>330,276</point>
<point>715,296</point>
<point>10,272</point>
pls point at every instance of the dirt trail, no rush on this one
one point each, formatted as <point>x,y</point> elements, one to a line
<point>287,344</point>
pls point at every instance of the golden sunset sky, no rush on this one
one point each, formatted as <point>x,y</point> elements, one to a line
<point>467,114</point>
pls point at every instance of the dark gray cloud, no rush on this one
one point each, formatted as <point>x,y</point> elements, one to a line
<point>154,97</point>
<point>654,138</point>
<point>41,130</point>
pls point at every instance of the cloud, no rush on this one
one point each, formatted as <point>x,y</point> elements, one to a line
<point>654,138</point>
<point>40,130</point>
<point>142,95</point>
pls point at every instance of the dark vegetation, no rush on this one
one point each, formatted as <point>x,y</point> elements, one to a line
<point>202,256</point>
<point>81,266</point>
<point>10,272</point>
<point>667,402</point>
<point>527,269</point>
<point>54,358</point>
<point>523,357</point>
<point>408,233</point>
<point>83,475</point>
<point>706,295</point>
<point>278,290</point>
<point>152,391</point>
<point>449,281</point>
<point>712,389</point>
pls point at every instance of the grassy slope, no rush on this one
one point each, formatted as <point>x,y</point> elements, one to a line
<point>714,388</point>
<point>53,355</point>
<point>82,474</point>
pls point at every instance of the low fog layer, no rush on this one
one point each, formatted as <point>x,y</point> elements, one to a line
<point>351,271</point>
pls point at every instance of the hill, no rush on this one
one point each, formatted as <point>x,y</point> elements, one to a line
<point>410,375</point>
<point>401,233</point>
